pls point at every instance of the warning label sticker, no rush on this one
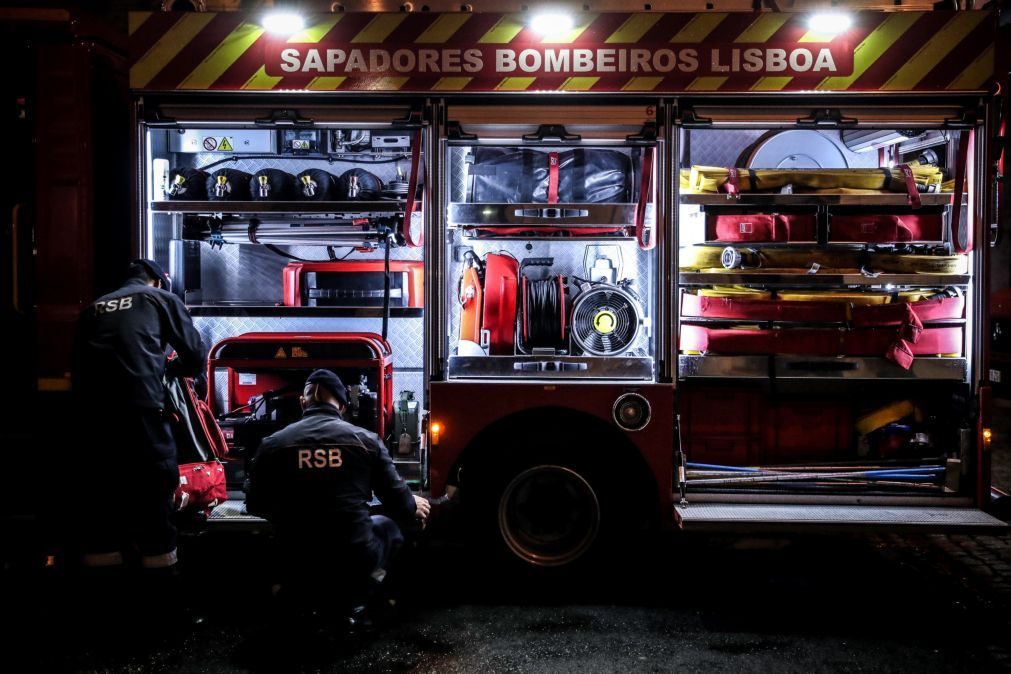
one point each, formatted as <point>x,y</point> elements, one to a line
<point>224,145</point>
<point>210,143</point>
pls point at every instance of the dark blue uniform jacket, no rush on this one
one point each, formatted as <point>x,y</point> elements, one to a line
<point>321,471</point>
<point>121,343</point>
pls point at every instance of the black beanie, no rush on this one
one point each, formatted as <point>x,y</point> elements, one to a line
<point>331,382</point>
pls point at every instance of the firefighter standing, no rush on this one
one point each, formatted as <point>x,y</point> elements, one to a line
<point>128,480</point>
<point>314,480</point>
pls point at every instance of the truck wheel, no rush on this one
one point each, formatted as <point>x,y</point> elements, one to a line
<point>549,515</point>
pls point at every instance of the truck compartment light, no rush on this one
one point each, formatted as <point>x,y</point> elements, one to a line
<point>551,23</point>
<point>283,23</point>
<point>830,23</point>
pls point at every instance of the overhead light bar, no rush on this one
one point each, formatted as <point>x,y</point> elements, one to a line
<point>283,23</point>
<point>830,23</point>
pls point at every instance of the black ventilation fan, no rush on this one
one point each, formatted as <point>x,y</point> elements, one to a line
<point>605,320</point>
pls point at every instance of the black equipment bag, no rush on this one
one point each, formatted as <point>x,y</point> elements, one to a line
<point>228,185</point>
<point>187,184</point>
<point>272,185</point>
<point>316,185</point>
<point>359,185</point>
<point>591,176</point>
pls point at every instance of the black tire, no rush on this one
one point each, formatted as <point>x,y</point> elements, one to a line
<point>549,515</point>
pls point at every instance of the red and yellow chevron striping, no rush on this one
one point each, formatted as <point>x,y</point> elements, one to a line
<point>605,51</point>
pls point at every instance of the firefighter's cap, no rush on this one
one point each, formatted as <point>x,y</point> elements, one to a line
<point>152,270</point>
<point>331,382</point>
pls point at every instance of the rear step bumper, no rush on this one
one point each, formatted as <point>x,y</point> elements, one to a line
<point>232,515</point>
<point>751,517</point>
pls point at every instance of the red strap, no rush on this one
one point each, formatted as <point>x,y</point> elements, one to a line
<point>552,177</point>
<point>645,196</point>
<point>900,353</point>
<point>962,169</point>
<point>819,342</point>
<point>526,314</point>
<point>694,306</point>
<point>561,301</point>
<point>912,194</point>
<point>733,183</point>
<point>412,188</point>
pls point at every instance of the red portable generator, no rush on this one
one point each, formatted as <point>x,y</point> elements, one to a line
<point>264,373</point>
<point>353,284</point>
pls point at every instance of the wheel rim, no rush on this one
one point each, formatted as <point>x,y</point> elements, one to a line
<point>549,515</point>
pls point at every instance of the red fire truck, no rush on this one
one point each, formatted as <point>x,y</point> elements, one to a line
<point>597,272</point>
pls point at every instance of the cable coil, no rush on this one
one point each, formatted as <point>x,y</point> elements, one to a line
<point>542,320</point>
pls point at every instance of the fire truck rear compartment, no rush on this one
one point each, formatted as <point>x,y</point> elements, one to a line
<point>787,415</point>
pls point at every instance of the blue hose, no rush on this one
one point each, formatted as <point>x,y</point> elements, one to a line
<point>729,469</point>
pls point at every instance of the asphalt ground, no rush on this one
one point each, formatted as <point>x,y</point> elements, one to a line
<point>880,603</point>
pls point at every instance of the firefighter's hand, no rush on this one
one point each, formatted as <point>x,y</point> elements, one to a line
<point>421,509</point>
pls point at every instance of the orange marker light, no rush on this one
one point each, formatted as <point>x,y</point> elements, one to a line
<point>987,437</point>
<point>436,429</point>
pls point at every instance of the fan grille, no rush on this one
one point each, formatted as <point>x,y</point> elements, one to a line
<point>605,321</point>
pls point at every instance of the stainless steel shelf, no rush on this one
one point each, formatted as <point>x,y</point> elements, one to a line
<point>277,207</point>
<point>550,367</point>
<point>819,367</point>
<point>261,310</point>
<point>820,280</point>
<point>897,199</point>
<point>570,215</point>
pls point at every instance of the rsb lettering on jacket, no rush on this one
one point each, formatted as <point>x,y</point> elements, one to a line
<point>320,457</point>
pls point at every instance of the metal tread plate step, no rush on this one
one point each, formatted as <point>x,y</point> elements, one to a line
<point>755,517</point>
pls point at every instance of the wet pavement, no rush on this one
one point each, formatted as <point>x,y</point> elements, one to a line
<point>877,603</point>
<point>902,603</point>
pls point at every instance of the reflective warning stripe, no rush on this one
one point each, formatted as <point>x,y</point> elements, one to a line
<point>227,53</point>
<point>135,20</point>
<point>515,83</point>
<point>504,31</point>
<point>379,28</point>
<point>760,30</point>
<point>324,83</point>
<point>451,83</point>
<point>779,83</point>
<point>261,80</point>
<point>934,51</point>
<point>642,84</point>
<point>579,83</point>
<point>873,46</point>
<point>901,51</point>
<point>162,561</point>
<point>698,28</point>
<point>165,49</point>
<point>98,560</point>
<point>633,29</point>
<point>443,28</point>
<point>977,73</point>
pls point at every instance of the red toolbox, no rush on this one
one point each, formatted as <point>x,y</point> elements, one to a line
<point>261,362</point>
<point>353,284</point>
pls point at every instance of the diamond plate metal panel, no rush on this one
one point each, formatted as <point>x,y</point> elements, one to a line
<point>406,338</point>
<point>835,515</point>
<point>252,273</point>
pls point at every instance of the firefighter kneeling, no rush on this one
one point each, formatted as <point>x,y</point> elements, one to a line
<point>313,481</point>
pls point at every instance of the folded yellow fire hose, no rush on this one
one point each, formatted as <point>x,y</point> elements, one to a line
<point>802,258</point>
<point>715,179</point>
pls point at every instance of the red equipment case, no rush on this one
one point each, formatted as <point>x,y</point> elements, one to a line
<point>364,279</point>
<point>280,359</point>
